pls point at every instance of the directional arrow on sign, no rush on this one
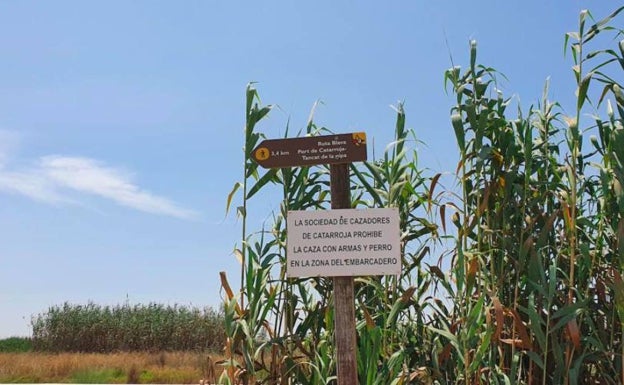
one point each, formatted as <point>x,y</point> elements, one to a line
<point>311,150</point>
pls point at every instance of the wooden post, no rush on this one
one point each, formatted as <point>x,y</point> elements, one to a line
<point>344,299</point>
<point>296,152</point>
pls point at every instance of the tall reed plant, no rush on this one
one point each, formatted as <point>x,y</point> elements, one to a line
<point>515,277</point>
<point>533,263</point>
<point>283,330</point>
<point>94,328</point>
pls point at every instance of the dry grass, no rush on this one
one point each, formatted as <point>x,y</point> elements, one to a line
<point>164,368</point>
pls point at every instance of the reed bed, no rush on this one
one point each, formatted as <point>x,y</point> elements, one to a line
<point>512,276</point>
<point>105,329</point>
<point>15,345</point>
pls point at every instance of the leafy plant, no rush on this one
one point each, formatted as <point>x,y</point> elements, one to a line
<point>532,233</point>
<point>15,345</point>
<point>533,293</point>
<point>282,329</point>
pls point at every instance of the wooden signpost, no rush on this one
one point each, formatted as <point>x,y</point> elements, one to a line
<point>311,150</point>
<point>338,151</point>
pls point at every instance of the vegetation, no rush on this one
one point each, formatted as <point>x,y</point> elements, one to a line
<point>122,344</point>
<point>148,328</point>
<point>15,345</point>
<point>523,285</point>
<point>110,368</point>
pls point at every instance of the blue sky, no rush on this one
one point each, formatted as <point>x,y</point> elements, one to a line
<point>121,122</point>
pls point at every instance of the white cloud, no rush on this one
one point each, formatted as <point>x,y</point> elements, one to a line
<point>53,179</point>
<point>90,176</point>
<point>31,184</point>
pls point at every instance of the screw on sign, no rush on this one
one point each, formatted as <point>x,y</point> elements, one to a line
<point>311,150</point>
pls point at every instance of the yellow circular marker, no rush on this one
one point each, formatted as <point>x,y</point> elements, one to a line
<point>262,153</point>
<point>359,138</point>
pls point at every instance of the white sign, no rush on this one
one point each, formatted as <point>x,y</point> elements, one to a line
<point>343,242</point>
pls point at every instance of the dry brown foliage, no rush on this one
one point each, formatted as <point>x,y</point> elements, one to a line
<point>177,367</point>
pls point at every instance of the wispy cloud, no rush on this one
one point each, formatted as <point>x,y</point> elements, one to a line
<point>31,184</point>
<point>53,179</point>
<point>90,176</point>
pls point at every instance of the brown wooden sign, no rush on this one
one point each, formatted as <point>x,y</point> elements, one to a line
<point>311,150</point>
